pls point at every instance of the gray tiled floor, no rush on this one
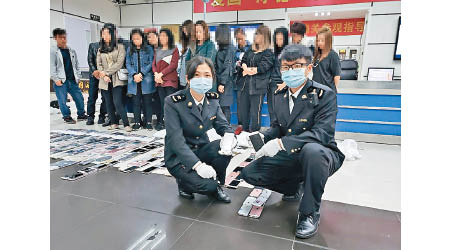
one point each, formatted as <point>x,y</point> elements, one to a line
<point>112,210</point>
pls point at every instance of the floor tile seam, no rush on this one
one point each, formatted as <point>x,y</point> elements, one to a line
<point>263,234</point>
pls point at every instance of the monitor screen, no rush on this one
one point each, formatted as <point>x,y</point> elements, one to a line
<point>398,44</point>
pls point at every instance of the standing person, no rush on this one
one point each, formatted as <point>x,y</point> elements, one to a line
<point>165,65</point>
<point>300,146</point>
<point>205,47</point>
<point>198,164</point>
<point>298,30</point>
<point>242,46</point>
<point>65,73</point>
<point>139,62</point>
<point>93,87</point>
<point>280,40</point>
<point>327,66</point>
<point>225,69</point>
<point>110,59</point>
<point>187,38</point>
<point>153,41</point>
<point>256,68</point>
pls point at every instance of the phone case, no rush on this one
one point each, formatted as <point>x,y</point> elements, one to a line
<point>230,178</point>
<point>262,198</point>
<point>256,212</point>
<point>256,192</point>
<point>246,206</point>
<point>234,184</point>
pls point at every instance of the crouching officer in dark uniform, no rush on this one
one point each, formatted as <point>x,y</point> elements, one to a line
<point>300,145</point>
<point>195,162</point>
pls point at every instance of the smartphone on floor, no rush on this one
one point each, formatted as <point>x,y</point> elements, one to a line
<point>73,177</point>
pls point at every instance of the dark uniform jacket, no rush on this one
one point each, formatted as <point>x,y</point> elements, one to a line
<point>263,61</point>
<point>92,57</point>
<point>313,119</point>
<point>186,127</point>
<point>225,65</point>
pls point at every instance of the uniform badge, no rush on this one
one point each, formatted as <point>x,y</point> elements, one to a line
<point>212,118</point>
<point>302,120</point>
<point>189,104</point>
<point>178,98</point>
<point>304,96</point>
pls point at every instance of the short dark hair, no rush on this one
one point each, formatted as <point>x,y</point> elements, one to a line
<point>58,31</point>
<point>238,30</point>
<point>195,62</point>
<point>223,35</point>
<point>170,40</point>
<point>299,28</point>
<point>133,47</point>
<point>296,51</point>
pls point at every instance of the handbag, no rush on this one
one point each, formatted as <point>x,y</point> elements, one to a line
<point>123,74</point>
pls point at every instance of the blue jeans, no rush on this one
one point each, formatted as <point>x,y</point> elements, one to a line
<point>71,87</point>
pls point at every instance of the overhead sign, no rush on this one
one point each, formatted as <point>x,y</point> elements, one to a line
<point>233,5</point>
<point>95,17</point>
<point>339,27</point>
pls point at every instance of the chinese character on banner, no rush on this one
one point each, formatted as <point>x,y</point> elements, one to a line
<point>263,1</point>
<point>283,1</point>
<point>234,2</point>
<point>326,24</point>
<point>348,27</point>
<point>315,28</point>
<point>360,26</point>
<point>337,27</point>
<point>217,3</point>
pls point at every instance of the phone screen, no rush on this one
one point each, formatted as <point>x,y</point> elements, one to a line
<point>148,170</point>
<point>257,142</point>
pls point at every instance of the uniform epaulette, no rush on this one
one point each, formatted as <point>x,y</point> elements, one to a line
<point>283,90</point>
<point>178,98</point>
<point>316,88</point>
<point>212,95</point>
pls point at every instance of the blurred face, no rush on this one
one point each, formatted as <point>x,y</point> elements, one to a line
<point>163,39</point>
<point>153,39</point>
<point>279,39</point>
<point>185,30</point>
<point>199,33</point>
<point>296,38</point>
<point>321,41</point>
<point>240,40</point>
<point>137,39</point>
<point>258,38</point>
<point>106,36</point>
<point>61,41</point>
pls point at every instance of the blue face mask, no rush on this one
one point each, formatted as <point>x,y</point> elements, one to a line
<point>201,85</point>
<point>293,77</point>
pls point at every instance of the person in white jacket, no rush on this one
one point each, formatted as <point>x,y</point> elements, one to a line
<point>65,73</point>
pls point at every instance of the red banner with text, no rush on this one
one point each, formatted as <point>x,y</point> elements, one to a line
<point>232,5</point>
<point>339,27</point>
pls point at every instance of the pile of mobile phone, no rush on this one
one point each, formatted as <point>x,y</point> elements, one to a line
<point>235,178</point>
<point>85,171</point>
<point>254,203</point>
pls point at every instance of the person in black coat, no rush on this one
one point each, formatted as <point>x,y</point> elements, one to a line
<point>280,40</point>
<point>225,69</point>
<point>300,145</point>
<point>93,87</point>
<point>198,164</point>
<point>256,69</point>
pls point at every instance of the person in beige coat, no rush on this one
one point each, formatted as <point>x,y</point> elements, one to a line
<point>110,59</point>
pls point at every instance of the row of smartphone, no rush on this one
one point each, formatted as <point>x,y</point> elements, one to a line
<point>254,204</point>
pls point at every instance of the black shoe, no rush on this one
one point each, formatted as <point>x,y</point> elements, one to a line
<point>136,126</point>
<point>148,126</point>
<point>159,127</point>
<point>101,120</point>
<point>183,193</point>
<point>307,225</point>
<point>107,122</point>
<point>221,195</point>
<point>296,196</point>
<point>90,121</point>
<point>82,117</point>
<point>69,120</point>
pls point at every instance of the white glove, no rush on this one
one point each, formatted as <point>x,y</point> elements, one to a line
<point>270,149</point>
<point>248,137</point>
<point>205,171</point>
<point>227,143</point>
<point>242,139</point>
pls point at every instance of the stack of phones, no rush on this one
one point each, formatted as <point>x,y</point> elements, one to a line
<point>234,178</point>
<point>254,203</point>
<point>85,171</point>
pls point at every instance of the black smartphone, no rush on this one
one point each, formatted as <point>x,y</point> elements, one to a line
<point>130,169</point>
<point>234,184</point>
<point>238,169</point>
<point>257,142</point>
<point>73,177</point>
<point>148,170</point>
